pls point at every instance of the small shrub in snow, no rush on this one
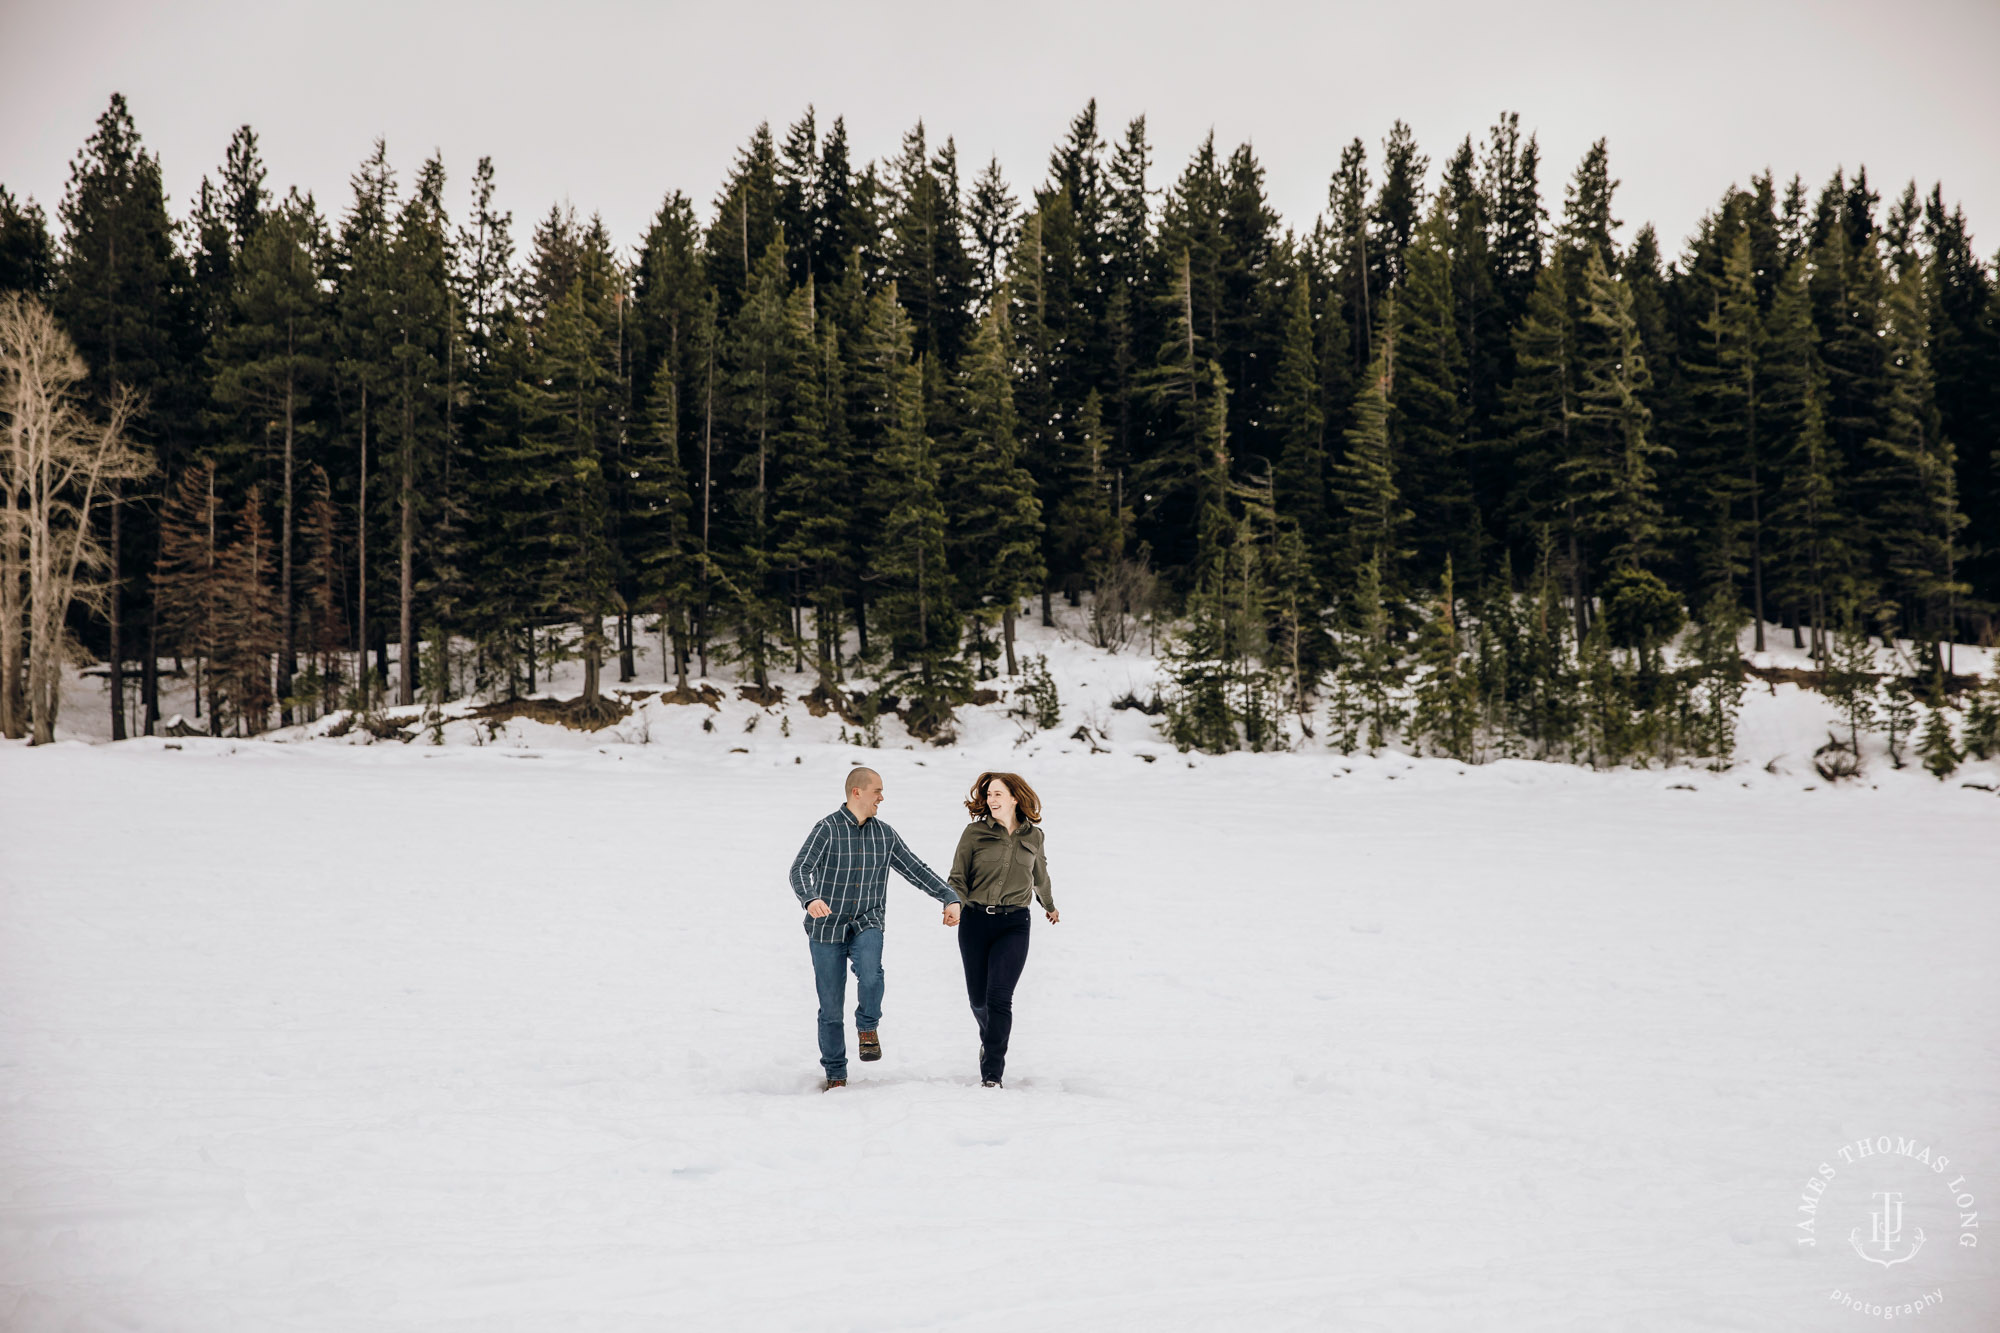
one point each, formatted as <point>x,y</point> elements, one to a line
<point>1938,747</point>
<point>1899,716</point>
<point>1981,735</point>
<point>1039,701</point>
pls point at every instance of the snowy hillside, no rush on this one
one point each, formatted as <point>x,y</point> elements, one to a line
<point>1781,725</point>
<point>515,1032</point>
<point>397,1037</point>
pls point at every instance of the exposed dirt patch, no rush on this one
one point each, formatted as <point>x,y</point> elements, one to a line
<point>1816,680</point>
<point>764,696</point>
<point>707,694</point>
<point>572,713</point>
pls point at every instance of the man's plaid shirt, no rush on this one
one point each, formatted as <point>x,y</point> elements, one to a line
<point>847,863</point>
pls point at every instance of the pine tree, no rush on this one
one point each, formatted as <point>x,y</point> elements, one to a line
<point>660,542</point>
<point>1724,384</point>
<point>1938,747</point>
<point>1446,703</point>
<point>1914,485</point>
<point>907,562</point>
<point>1848,677</point>
<point>424,353</point>
<point>1849,291</point>
<point>1364,480</point>
<point>27,255</point>
<point>809,404</point>
<point>992,218</point>
<point>746,221</point>
<point>560,498</point>
<point>322,628</point>
<point>815,522</point>
<point>1132,263</point>
<point>1218,695</point>
<point>1510,182</point>
<point>365,308</point>
<point>116,294</point>
<point>1300,476</point>
<point>1965,359</point>
<point>1612,472</point>
<point>1587,222</point>
<point>1399,204</point>
<point>995,543</point>
<point>1809,530</point>
<point>1539,413</point>
<point>270,368</point>
<point>1468,226</point>
<point>1373,673</point>
<point>1718,670</point>
<point>934,275</point>
<point>1349,244</point>
<point>1172,389</point>
<point>760,361</point>
<point>1428,407</point>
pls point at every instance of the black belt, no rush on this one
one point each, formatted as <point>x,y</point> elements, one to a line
<point>994,910</point>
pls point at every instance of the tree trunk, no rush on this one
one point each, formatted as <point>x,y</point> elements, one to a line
<point>1007,633</point>
<point>406,593</point>
<point>288,654</point>
<point>628,635</point>
<point>13,711</point>
<point>1756,556</point>
<point>592,652</point>
<point>1048,612</point>
<point>361,562</point>
<point>149,670</point>
<point>117,600</point>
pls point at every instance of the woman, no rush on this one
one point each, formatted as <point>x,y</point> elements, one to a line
<point>1000,865</point>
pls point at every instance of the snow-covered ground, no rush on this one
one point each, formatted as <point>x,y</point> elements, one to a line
<point>519,1035</point>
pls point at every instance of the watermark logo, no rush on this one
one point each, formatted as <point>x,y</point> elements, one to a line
<point>1887,1232</point>
<point>1895,1215</point>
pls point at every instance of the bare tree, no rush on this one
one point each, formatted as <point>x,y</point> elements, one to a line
<point>59,469</point>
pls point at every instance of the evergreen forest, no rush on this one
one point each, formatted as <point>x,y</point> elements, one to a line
<point>1450,464</point>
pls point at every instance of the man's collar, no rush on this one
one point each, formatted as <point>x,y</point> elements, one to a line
<point>851,817</point>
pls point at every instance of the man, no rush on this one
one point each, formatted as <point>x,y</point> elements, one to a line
<point>841,877</point>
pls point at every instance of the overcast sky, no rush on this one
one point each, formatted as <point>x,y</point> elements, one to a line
<point>609,106</point>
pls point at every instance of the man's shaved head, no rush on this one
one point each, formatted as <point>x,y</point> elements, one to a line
<point>859,778</point>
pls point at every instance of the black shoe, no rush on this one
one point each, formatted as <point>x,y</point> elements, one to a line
<point>989,1083</point>
<point>871,1045</point>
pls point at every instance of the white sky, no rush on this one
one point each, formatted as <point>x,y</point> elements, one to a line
<point>611,105</point>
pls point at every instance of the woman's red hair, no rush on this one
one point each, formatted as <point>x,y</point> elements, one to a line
<point>1024,796</point>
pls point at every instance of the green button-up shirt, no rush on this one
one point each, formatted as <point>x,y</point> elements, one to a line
<point>995,868</point>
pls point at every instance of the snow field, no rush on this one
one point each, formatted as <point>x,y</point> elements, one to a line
<point>402,1037</point>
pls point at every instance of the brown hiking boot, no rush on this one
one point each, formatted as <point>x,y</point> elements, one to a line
<point>871,1046</point>
<point>832,1083</point>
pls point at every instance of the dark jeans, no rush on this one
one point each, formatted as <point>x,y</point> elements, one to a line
<point>994,949</point>
<point>830,964</point>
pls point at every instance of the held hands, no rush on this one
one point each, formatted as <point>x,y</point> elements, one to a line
<point>817,908</point>
<point>951,913</point>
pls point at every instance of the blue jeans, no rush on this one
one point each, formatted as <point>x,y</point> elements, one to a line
<point>830,963</point>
